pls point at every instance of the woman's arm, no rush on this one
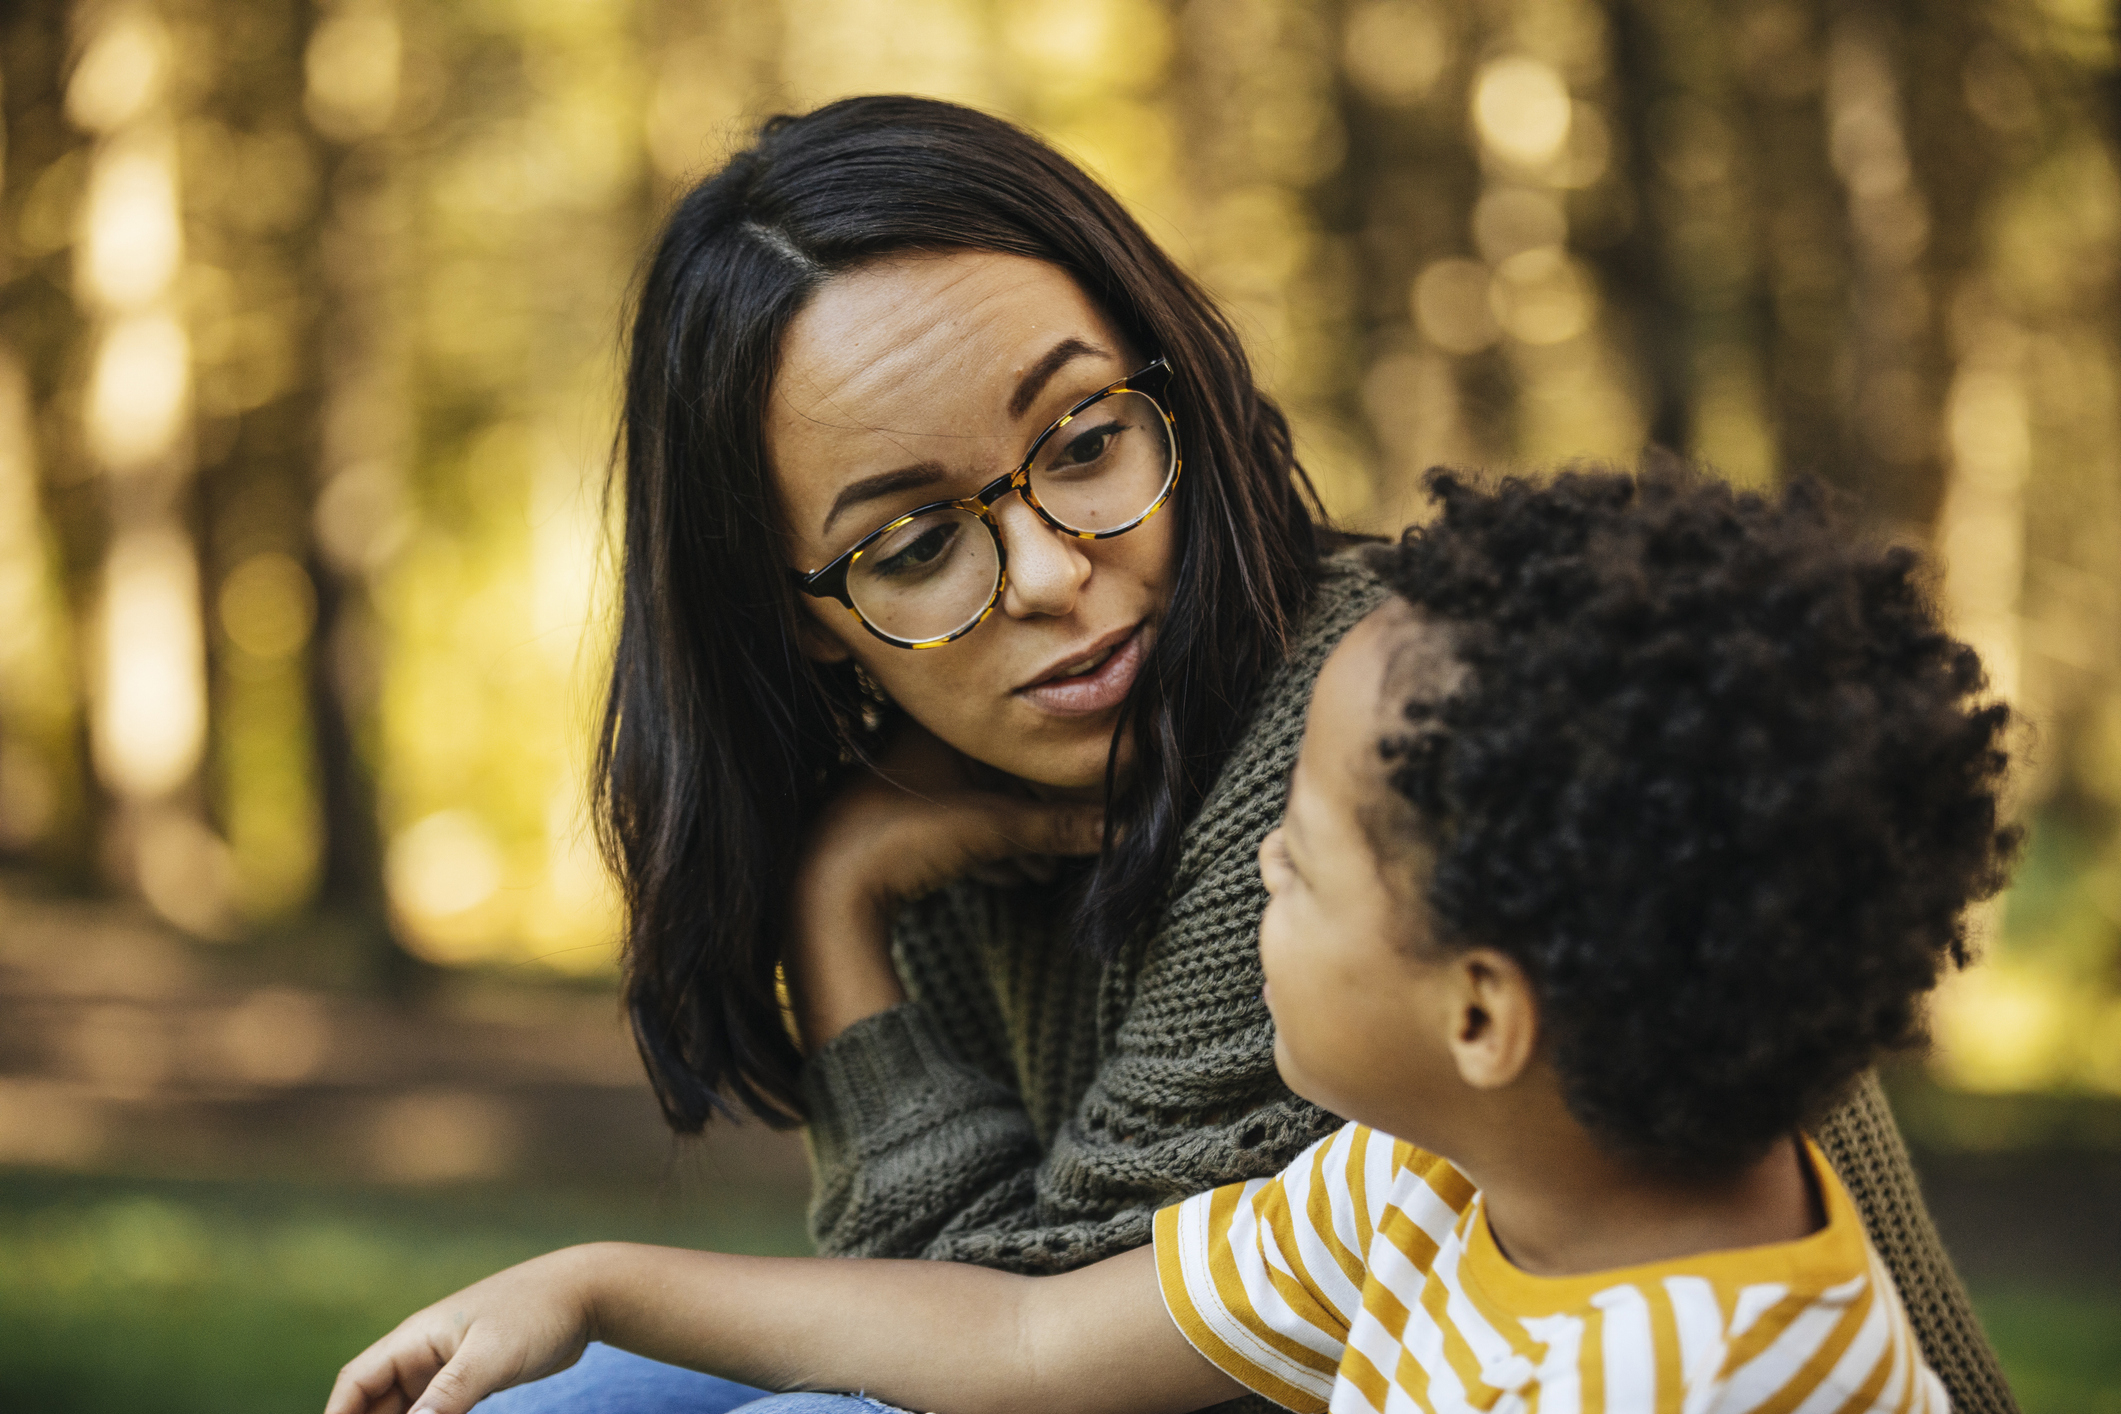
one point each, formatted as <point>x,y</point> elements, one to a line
<point>891,836</point>
<point>1140,1083</point>
<point>925,1335</point>
<point>917,1125</point>
<point>911,1097</point>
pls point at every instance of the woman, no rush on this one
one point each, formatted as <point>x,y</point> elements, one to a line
<point>972,601</point>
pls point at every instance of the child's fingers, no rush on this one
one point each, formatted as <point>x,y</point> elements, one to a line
<point>482,1364</point>
<point>382,1379</point>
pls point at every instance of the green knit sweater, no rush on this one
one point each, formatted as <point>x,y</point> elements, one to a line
<point>1030,1108</point>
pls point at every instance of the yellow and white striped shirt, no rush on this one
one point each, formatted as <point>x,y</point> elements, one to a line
<point>1364,1277</point>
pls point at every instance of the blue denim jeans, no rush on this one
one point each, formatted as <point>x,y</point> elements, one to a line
<point>608,1381</point>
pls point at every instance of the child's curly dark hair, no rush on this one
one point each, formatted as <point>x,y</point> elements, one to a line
<point>1715,779</point>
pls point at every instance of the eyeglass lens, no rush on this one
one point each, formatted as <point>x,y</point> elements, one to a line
<point>934,574</point>
<point>1107,466</point>
<point>927,578</point>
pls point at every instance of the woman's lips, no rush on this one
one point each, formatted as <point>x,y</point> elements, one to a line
<point>1101,688</point>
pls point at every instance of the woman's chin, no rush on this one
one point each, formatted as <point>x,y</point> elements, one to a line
<point>1086,788</point>
<point>1077,773</point>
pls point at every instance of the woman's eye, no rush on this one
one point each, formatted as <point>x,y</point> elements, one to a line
<point>1088,446</point>
<point>923,550</point>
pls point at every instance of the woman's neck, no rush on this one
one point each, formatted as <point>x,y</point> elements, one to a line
<point>1066,795</point>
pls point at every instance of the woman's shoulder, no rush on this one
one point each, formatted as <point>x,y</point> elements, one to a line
<point>1348,589</point>
<point>1346,592</point>
<point>1246,798</point>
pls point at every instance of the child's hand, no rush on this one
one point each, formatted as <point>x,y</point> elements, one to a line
<point>519,1325</point>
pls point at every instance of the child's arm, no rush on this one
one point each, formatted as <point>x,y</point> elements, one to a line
<point>925,1335</point>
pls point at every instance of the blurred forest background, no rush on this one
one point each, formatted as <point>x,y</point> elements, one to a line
<point>309,316</point>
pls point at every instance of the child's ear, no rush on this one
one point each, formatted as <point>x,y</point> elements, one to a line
<point>1495,1026</point>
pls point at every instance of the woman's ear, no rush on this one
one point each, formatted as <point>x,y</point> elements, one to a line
<point>815,643</point>
<point>1495,1029</point>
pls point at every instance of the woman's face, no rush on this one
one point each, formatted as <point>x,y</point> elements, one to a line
<point>922,378</point>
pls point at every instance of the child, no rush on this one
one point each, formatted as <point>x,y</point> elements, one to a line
<point>1620,841</point>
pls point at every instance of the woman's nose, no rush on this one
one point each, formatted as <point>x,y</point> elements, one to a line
<point>1047,569</point>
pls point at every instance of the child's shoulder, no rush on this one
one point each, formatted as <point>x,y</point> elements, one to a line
<point>1826,1260</point>
<point>1380,1176</point>
<point>1422,1198</point>
<point>1813,1319</point>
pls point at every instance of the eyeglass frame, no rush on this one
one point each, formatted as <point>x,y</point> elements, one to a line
<point>830,582</point>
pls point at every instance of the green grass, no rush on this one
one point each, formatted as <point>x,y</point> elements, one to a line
<point>2061,1349</point>
<point>165,1298</point>
<point>131,1297</point>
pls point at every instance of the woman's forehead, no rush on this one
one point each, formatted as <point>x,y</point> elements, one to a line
<point>914,369</point>
<point>910,332</point>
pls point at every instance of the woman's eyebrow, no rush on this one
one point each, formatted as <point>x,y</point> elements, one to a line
<point>884,483</point>
<point>908,478</point>
<point>1039,374</point>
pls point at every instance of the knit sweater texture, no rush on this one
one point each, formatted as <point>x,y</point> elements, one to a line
<point>1030,1107</point>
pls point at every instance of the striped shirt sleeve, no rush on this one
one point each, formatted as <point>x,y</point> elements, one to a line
<point>1264,1277</point>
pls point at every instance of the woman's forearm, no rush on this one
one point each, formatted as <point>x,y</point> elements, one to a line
<point>900,832</point>
<point>907,1132</point>
<point>839,964</point>
<point>924,1335</point>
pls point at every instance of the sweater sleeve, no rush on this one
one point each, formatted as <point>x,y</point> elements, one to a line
<point>915,1115</point>
<point>904,1134</point>
<point>1863,1144</point>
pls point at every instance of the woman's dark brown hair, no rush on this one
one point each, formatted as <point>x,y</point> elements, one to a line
<point>720,739</point>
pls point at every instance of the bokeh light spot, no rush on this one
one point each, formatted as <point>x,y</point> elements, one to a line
<point>133,240</point>
<point>1542,297</point>
<point>1452,308</point>
<point>1395,50</point>
<point>352,68</point>
<point>152,725</point>
<point>139,391</point>
<point>121,73</point>
<point>1521,108</point>
<point>268,605</point>
<point>445,865</point>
